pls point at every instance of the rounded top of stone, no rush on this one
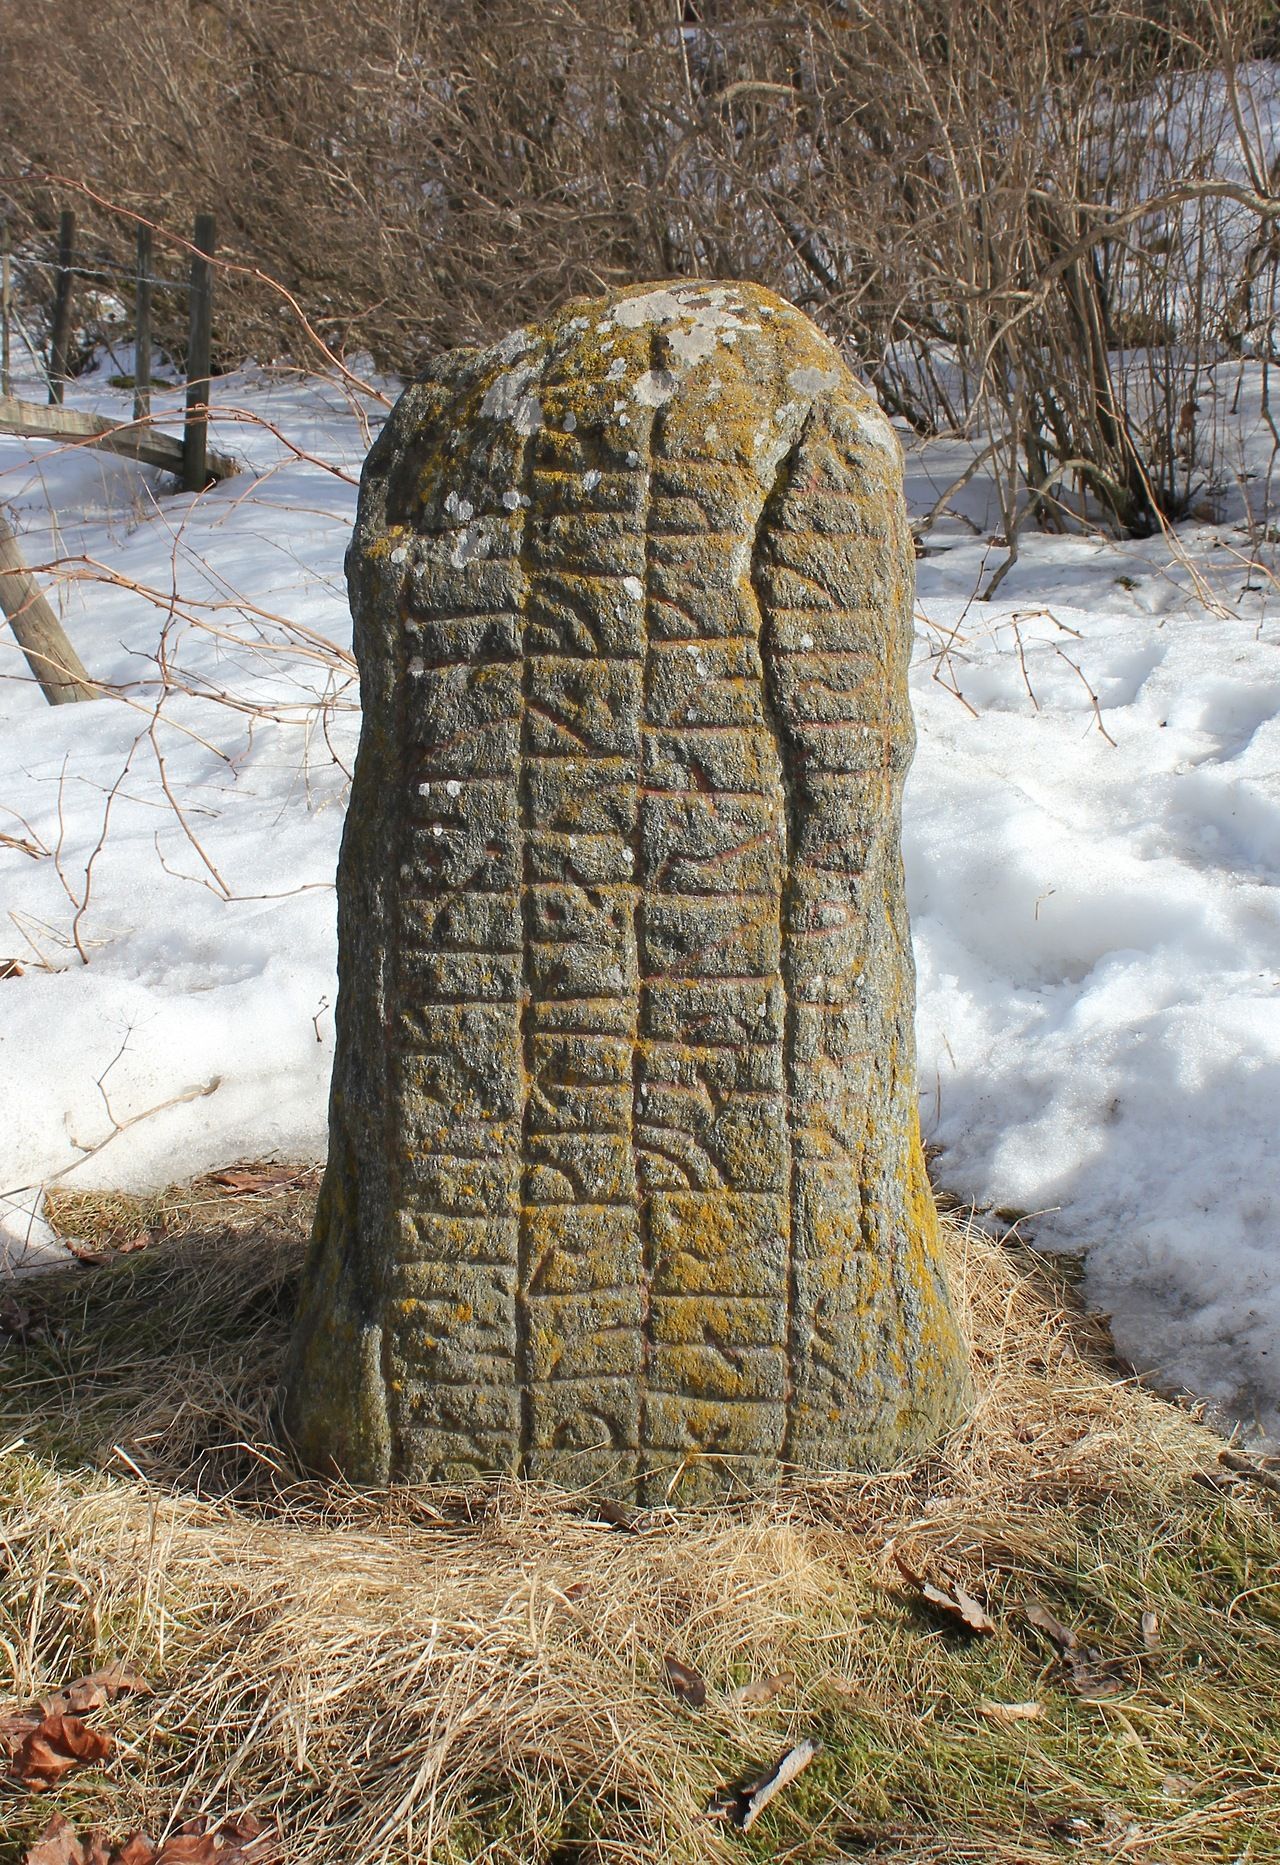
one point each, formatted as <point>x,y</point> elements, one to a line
<point>646,343</point>
<point>719,372</point>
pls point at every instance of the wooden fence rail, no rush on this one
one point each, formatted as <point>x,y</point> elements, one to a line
<point>196,466</point>
<point>37,630</point>
<point>135,440</point>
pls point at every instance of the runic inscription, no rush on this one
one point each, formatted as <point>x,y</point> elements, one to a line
<point>625,1183</point>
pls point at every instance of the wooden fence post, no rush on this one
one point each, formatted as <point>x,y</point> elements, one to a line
<point>38,632</point>
<point>195,437</point>
<point>142,327</point>
<point>60,333</point>
<point>6,309</point>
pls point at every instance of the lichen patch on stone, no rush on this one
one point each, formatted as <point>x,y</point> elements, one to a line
<point>508,399</point>
<point>808,380</point>
<point>471,544</point>
<point>655,387</point>
<point>874,427</point>
<point>625,1185</point>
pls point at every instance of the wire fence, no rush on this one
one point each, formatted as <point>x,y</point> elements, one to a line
<point>67,266</point>
<point>105,269</point>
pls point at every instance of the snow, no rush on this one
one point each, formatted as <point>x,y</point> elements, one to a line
<point>1098,936</point>
<point>200,1030</point>
<point>1092,843</point>
<point>28,1242</point>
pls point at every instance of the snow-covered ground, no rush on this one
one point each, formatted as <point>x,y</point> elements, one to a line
<point>1093,851</point>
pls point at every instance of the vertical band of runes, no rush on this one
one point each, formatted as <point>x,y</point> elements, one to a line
<point>636,590</point>
<point>582,1294</point>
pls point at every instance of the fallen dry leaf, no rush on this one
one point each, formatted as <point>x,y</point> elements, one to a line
<point>1043,1620</point>
<point>10,968</point>
<point>99,1253</point>
<point>253,1181</point>
<point>192,1849</point>
<point>15,1729</point>
<point>972,1614</point>
<point>231,1841</point>
<point>1253,1472</point>
<point>242,1839</point>
<point>957,1605</point>
<point>744,1803</point>
<point>89,1253</point>
<point>57,1845</point>
<point>617,1515</point>
<point>54,1747</point>
<point>1085,1672</point>
<point>244,1828</point>
<point>1095,1678</point>
<point>136,1850</point>
<point>140,1240</point>
<point>1009,1712</point>
<point>762,1689</point>
<point>92,1692</point>
<point>684,1682</point>
<point>1151,1631</point>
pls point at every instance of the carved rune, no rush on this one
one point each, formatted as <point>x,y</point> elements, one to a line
<point>626,1182</point>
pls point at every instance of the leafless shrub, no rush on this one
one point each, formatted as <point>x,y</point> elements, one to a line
<point>1050,221</point>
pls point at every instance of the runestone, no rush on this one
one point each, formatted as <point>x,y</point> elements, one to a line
<point>625,1184</point>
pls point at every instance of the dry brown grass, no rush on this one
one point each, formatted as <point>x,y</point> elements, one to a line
<point>477,1675</point>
